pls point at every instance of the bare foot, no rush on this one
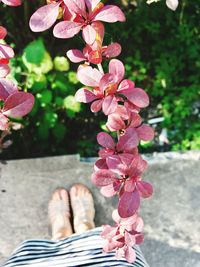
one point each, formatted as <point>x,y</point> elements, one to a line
<point>83,208</point>
<point>59,214</point>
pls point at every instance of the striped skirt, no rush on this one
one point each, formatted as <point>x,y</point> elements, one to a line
<point>76,250</point>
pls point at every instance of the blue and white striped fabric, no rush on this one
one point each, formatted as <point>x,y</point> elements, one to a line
<point>76,250</point>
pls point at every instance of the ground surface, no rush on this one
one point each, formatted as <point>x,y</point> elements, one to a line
<point>171,217</point>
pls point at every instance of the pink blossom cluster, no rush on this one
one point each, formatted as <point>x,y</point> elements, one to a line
<point>11,2</point>
<point>76,16</point>
<point>120,167</point>
<point>15,103</point>
<point>123,236</point>
<point>6,52</point>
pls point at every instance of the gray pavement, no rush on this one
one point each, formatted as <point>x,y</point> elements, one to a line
<point>172,215</point>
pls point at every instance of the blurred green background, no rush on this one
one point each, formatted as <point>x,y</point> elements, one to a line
<point>161,53</point>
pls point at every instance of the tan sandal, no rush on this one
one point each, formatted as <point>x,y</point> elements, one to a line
<point>59,214</point>
<point>82,204</point>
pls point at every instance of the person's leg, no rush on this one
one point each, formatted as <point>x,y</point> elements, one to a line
<point>83,208</point>
<point>59,214</point>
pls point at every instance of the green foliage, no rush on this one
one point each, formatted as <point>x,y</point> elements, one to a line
<point>161,53</point>
<point>34,52</point>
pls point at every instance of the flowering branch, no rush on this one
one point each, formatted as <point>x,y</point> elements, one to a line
<point>119,169</point>
<point>15,103</point>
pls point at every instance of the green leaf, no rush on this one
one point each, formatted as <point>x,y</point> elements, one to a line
<point>44,67</point>
<point>59,131</point>
<point>71,104</point>
<point>36,82</point>
<point>45,97</point>
<point>72,77</point>
<point>34,52</point>
<point>59,101</point>
<point>50,119</point>
<point>61,63</point>
<point>60,83</point>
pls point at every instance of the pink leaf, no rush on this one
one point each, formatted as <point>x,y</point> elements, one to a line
<point>108,191</point>
<point>139,238</point>
<point>126,85</point>
<point>6,51</point>
<point>107,82</point>
<point>130,254</point>
<point>6,88</point>
<point>91,4</point>
<point>85,96</point>
<point>116,68</point>
<point>75,56</point>
<point>145,132</point>
<point>100,165</point>
<point>96,105</point>
<point>138,97</point>
<point>105,152</point>
<point>128,204</point>
<point>12,2</point>
<point>138,166</point>
<point>66,29</point>
<point>103,177</point>
<point>135,120</point>
<point>109,105</point>
<point>139,226</point>
<point>113,50</point>
<point>89,34</point>
<point>115,165</point>
<point>105,140</point>
<point>44,17</point>
<point>130,185</point>
<point>107,230</point>
<point>172,4</point>
<point>3,122</point>
<point>128,141</point>
<point>115,122</point>
<point>110,13</point>
<point>89,76</point>
<point>145,189</point>
<point>18,104</point>
<point>75,6</point>
<point>115,216</point>
<point>3,32</point>
<point>4,70</point>
<point>129,239</point>
<point>100,30</point>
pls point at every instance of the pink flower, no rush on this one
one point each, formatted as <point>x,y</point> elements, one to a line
<point>16,104</point>
<point>123,118</point>
<point>127,143</point>
<point>123,176</point>
<point>6,52</point>
<point>3,32</point>
<point>11,2</point>
<point>123,236</point>
<point>78,15</point>
<point>85,12</point>
<point>107,88</point>
<point>95,53</point>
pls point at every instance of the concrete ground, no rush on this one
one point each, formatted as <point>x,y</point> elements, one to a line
<point>172,215</point>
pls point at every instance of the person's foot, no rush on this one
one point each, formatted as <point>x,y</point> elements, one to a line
<point>59,214</point>
<point>83,208</point>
